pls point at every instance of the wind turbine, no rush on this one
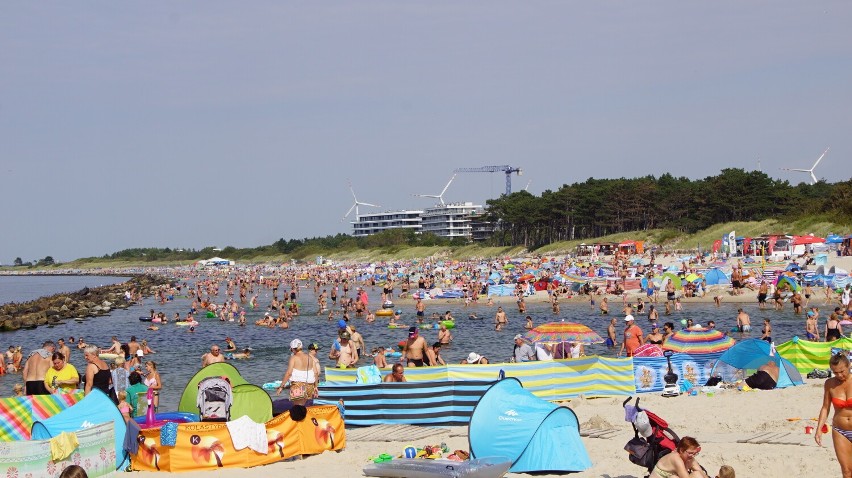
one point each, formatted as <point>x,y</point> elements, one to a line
<point>528,185</point>
<point>356,204</point>
<point>439,197</point>
<point>811,171</point>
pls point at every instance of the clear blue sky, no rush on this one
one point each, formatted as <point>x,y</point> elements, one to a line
<point>193,124</point>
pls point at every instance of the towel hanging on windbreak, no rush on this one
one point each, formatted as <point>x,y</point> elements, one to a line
<point>62,446</point>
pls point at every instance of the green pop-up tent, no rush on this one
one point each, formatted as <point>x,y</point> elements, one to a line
<point>248,399</point>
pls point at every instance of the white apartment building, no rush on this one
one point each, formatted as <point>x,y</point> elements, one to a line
<point>450,220</point>
<point>374,223</point>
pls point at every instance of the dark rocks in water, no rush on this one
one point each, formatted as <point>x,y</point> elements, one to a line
<point>88,302</point>
<point>9,323</point>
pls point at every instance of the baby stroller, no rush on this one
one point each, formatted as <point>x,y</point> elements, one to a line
<point>652,440</point>
<point>214,399</point>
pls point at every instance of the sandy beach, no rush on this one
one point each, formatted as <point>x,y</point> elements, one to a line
<point>717,422</point>
<point>748,296</point>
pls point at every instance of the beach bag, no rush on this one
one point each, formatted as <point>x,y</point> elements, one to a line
<point>817,373</point>
<point>214,399</point>
<point>640,452</point>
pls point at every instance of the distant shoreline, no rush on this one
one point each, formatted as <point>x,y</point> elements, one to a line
<point>71,272</point>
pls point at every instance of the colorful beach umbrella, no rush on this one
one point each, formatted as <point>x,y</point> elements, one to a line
<point>563,332</point>
<point>648,350</point>
<point>698,341</point>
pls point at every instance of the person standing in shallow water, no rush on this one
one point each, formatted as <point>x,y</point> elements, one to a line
<point>500,320</point>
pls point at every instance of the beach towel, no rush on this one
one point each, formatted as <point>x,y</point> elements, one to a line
<point>62,446</point>
<point>369,374</point>
<point>245,433</point>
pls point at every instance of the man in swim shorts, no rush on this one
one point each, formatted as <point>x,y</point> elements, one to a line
<point>415,348</point>
<point>36,367</point>
<point>811,329</point>
<point>420,307</point>
<point>611,339</point>
<point>743,321</point>
<point>762,294</point>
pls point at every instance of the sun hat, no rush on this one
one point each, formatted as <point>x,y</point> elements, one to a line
<point>474,357</point>
<point>628,318</point>
<point>518,336</point>
<point>296,344</point>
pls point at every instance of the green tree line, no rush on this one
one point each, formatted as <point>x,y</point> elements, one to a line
<point>387,241</point>
<point>599,207</point>
<point>594,208</point>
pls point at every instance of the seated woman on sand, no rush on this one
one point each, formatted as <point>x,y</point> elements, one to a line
<point>681,462</point>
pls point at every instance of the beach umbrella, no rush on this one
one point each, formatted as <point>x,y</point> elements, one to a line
<point>648,350</point>
<point>698,341</point>
<point>563,332</point>
<point>833,239</point>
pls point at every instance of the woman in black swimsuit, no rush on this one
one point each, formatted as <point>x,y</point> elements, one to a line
<point>833,329</point>
<point>97,371</point>
<point>655,337</point>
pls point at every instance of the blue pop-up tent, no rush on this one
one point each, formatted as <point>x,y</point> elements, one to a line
<point>716,276</point>
<point>94,409</point>
<point>534,434</point>
<point>748,355</point>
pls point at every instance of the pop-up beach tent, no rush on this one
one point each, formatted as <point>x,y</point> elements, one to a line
<point>94,409</point>
<point>748,355</point>
<point>715,276</point>
<point>248,399</point>
<point>534,434</point>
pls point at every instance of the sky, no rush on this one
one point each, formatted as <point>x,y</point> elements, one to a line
<point>208,123</point>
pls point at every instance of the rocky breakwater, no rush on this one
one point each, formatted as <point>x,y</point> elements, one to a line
<point>84,303</point>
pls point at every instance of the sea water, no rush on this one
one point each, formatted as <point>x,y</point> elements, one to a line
<point>178,351</point>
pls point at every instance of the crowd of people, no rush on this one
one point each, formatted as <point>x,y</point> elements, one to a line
<point>47,369</point>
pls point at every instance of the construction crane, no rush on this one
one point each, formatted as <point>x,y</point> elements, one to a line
<point>493,169</point>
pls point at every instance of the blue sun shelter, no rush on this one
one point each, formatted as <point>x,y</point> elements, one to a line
<point>534,434</point>
<point>94,409</point>
<point>747,356</point>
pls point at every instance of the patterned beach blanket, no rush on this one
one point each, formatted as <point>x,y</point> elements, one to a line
<point>17,414</point>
